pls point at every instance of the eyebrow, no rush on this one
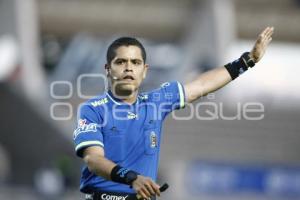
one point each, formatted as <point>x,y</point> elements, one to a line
<point>125,59</point>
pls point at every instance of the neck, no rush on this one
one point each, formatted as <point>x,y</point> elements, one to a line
<point>130,99</point>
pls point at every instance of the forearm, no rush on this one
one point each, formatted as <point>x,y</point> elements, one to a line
<point>105,168</point>
<point>207,82</point>
<point>99,165</point>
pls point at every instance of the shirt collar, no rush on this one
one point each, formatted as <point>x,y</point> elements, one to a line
<point>119,101</point>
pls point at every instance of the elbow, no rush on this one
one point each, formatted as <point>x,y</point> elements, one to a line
<point>195,90</point>
<point>92,156</point>
<point>191,98</point>
<point>91,162</point>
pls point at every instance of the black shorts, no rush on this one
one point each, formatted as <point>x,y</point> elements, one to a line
<point>112,196</point>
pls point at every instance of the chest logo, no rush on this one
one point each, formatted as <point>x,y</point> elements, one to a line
<point>99,102</point>
<point>131,115</point>
<point>153,139</point>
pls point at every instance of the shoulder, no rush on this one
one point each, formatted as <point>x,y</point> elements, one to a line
<point>165,86</point>
<point>156,94</point>
<point>97,101</point>
<point>93,105</point>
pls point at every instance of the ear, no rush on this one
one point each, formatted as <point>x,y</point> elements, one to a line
<point>145,71</point>
<point>107,70</point>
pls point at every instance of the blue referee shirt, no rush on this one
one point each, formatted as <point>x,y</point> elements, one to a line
<point>129,134</point>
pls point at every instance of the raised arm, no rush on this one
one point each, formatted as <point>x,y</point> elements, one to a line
<point>217,78</point>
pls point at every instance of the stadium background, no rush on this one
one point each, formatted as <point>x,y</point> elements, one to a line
<point>47,45</point>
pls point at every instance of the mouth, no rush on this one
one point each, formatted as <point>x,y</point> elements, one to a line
<point>128,77</point>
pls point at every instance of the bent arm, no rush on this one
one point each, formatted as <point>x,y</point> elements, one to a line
<point>94,158</point>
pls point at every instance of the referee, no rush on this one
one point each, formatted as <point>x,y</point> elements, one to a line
<point>118,133</point>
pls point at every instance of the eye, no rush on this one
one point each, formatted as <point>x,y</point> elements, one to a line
<point>119,62</point>
<point>136,62</point>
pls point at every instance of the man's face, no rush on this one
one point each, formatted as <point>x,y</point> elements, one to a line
<point>127,70</point>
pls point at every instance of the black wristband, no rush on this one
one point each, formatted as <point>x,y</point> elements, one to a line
<point>248,60</point>
<point>240,65</point>
<point>123,175</point>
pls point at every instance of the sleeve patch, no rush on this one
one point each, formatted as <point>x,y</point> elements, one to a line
<point>83,127</point>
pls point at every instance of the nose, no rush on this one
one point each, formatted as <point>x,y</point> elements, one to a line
<point>128,67</point>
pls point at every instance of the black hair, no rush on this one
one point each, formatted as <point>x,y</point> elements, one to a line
<point>123,41</point>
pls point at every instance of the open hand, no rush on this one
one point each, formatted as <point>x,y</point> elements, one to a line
<point>261,44</point>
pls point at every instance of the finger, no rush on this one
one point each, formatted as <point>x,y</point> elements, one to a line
<point>157,191</point>
<point>265,40</point>
<point>138,196</point>
<point>156,187</point>
<point>268,37</point>
<point>141,195</point>
<point>145,191</point>
<point>269,40</point>
<point>263,33</point>
<point>260,37</point>
<point>271,29</point>
<point>270,32</point>
<point>150,189</point>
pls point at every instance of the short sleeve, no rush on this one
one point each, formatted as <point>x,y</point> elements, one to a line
<point>171,96</point>
<point>88,129</point>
